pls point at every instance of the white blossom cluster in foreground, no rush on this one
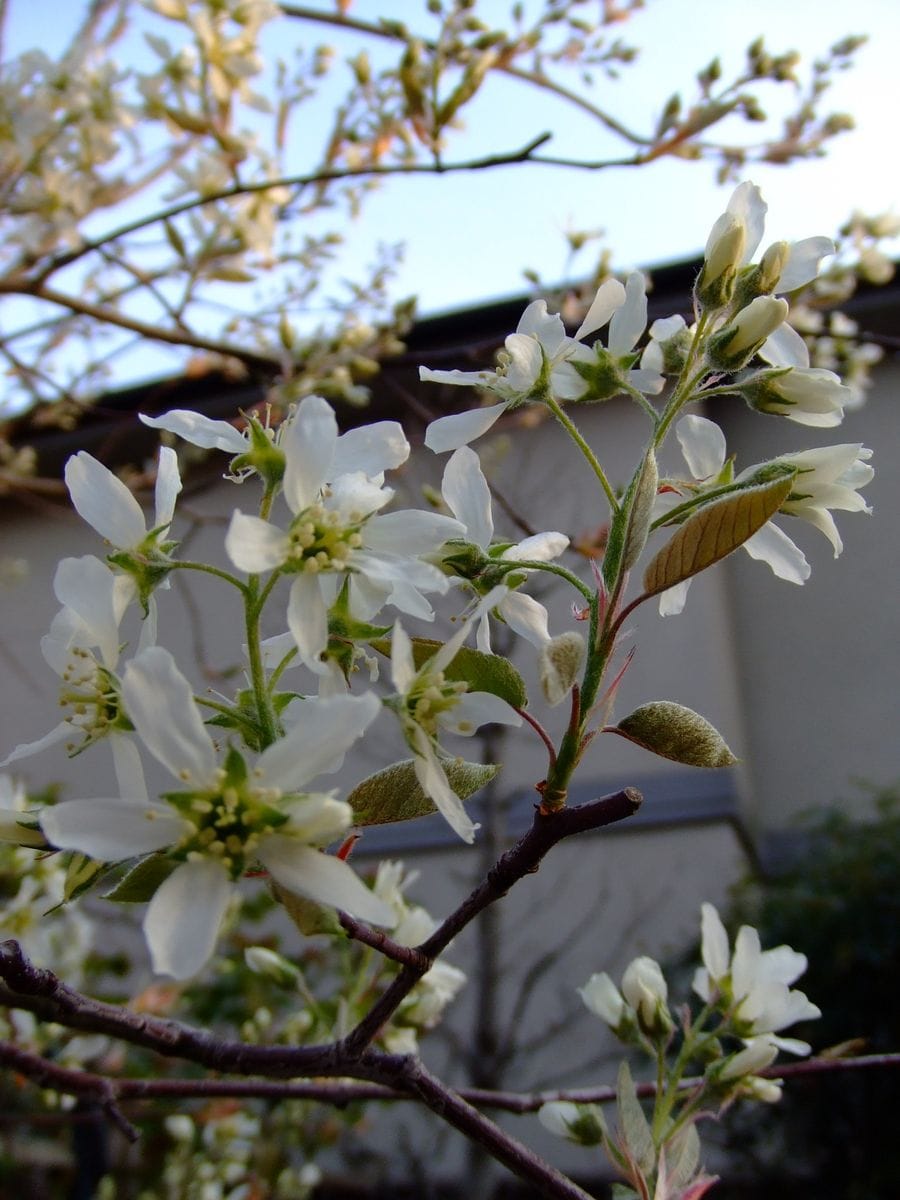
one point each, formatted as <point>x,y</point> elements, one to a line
<point>352,578</point>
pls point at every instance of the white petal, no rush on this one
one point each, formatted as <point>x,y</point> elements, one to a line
<point>630,320</point>
<point>770,545</point>
<point>457,378</point>
<point>371,449</point>
<point>785,348</point>
<point>747,205</point>
<point>184,917</point>
<point>474,709</point>
<point>307,619</point>
<point>610,296</point>
<point>442,657</point>
<point>325,730</point>
<point>526,617</point>
<point>702,444</point>
<point>200,431</point>
<point>26,749</point>
<point>168,485</point>
<point>466,491</point>
<point>309,444</point>
<point>803,260</point>
<point>253,545</point>
<point>410,531</point>
<point>540,547</point>
<point>714,942</point>
<point>355,496</point>
<point>537,324</point>
<point>526,361</point>
<point>103,500</point>
<point>435,785</point>
<point>403,669</point>
<point>128,767</point>
<point>673,599</point>
<point>159,701</point>
<point>112,829</point>
<point>483,635</point>
<point>449,433</point>
<point>87,586</point>
<point>323,878</point>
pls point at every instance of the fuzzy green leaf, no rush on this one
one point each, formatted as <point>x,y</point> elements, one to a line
<point>633,1125</point>
<point>714,531</point>
<point>673,731</point>
<point>395,794</point>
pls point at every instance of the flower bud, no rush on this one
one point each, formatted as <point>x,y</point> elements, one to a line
<point>579,1123</point>
<point>757,1054</point>
<point>560,663</point>
<point>734,346</point>
<point>603,998</point>
<point>644,987</point>
<point>724,253</point>
<point>268,963</point>
<point>763,279</point>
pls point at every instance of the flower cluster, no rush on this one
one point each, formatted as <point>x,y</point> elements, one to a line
<point>747,1001</point>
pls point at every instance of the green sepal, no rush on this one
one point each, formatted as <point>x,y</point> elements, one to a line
<point>139,884</point>
<point>715,529</point>
<point>262,456</point>
<point>463,559</point>
<point>395,794</point>
<point>604,377</point>
<point>677,733</point>
<point>235,767</point>
<point>82,874</point>
<point>482,672</point>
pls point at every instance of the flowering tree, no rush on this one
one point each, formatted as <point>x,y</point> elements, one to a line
<point>351,577</point>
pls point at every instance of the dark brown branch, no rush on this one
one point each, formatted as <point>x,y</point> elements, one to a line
<point>523,859</point>
<point>407,955</point>
<point>42,993</point>
<point>85,1084</point>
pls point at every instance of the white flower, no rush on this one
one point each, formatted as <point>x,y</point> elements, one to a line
<point>753,982</point>
<point>467,495</point>
<point>425,1004</point>
<point>372,449</point>
<point>109,507</point>
<point>644,988</point>
<point>758,1053</point>
<point>539,360</point>
<point>735,238</point>
<point>223,818</point>
<point>808,395</point>
<point>829,477</point>
<point>579,1123</point>
<point>703,446</point>
<point>82,647</point>
<point>427,703</point>
<point>336,531</point>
